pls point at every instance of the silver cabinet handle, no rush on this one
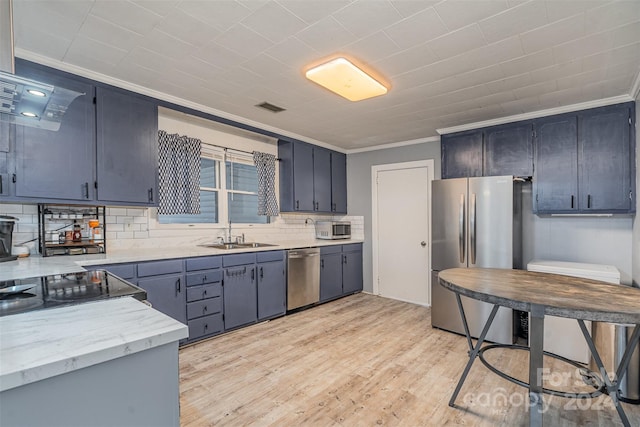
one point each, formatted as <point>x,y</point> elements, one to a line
<point>472,229</point>
<point>461,233</point>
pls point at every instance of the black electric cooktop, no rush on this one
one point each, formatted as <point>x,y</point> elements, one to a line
<point>38,293</point>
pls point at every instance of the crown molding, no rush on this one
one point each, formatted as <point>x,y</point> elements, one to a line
<point>635,89</point>
<point>537,114</point>
<point>394,145</point>
<point>103,78</point>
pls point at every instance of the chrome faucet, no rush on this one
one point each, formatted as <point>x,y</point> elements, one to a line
<point>229,238</point>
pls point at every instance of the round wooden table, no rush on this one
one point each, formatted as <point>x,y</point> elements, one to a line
<point>547,294</point>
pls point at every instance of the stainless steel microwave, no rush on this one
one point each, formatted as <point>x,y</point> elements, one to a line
<point>330,230</point>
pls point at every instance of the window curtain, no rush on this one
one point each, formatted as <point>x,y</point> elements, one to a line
<point>266,168</point>
<point>179,174</point>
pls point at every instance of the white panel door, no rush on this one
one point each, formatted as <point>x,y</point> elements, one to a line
<point>401,246</point>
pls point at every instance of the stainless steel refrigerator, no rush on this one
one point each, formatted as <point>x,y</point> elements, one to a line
<point>475,222</point>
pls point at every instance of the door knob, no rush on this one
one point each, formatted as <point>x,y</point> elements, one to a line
<point>423,243</point>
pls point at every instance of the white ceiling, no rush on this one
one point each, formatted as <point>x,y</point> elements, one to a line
<point>448,62</point>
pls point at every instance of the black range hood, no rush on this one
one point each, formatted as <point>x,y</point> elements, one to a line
<point>22,101</point>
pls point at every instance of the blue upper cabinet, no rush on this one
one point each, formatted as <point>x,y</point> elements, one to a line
<point>508,150</point>
<point>606,159</point>
<point>585,162</point>
<point>338,182</point>
<point>127,148</point>
<point>555,184</point>
<point>462,154</point>
<point>308,181</point>
<point>57,165</point>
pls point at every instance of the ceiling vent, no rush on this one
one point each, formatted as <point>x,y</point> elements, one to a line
<point>271,107</point>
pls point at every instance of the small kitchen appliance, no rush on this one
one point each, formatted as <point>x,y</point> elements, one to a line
<point>6,232</point>
<point>332,230</point>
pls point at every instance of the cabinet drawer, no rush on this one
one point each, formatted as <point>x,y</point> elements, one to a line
<point>159,267</point>
<point>205,307</point>
<point>196,293</point>
<point>123,271</point>
<point>208,276</point>
<point>270,256</point>
<point>353,247</point>
<point>204,263</point>
<point>238,259</point>
<point>204,326</point>
<point>333,249</point>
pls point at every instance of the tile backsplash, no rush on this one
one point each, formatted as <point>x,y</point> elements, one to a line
<point>128,228</point>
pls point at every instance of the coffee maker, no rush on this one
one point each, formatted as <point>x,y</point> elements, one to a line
<point>6,232</point>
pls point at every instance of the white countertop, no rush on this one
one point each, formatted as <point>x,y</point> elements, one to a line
<point>33,266</point>
<point>41,344</point>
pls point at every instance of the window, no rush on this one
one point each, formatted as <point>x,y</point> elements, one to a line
<point>228,191</point>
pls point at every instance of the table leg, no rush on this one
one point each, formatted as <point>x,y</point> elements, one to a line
<point>474,350</point>
<point>536,342</point>
<point>612,387</point>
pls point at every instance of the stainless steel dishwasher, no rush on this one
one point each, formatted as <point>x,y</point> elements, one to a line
<point>303,283</point>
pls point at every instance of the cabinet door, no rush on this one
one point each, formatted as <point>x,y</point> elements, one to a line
<point>321,180</point>
<point>240,296</point>
<point>58,165</point>
<point>605,159</point>
<point>302,177</point>
<point>338,182</point>
<point>167,294</point>
<point>462,154</point>
<point>330,276</point>
<point>508,150</point>
<point>351,272</point>
<point>127,141</point>
<point>555,180</point>
<point>272,290</point>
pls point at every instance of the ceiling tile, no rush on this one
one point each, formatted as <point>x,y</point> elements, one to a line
<point>43,43</point>
<point>364,17</point>
<point>222,14</point>
<point>535,89</point>
<point>608,16</point>
<point>409,7</point>
<point>626,34</point>
<point>479,76</point>
<point>188,29</point>
<point>108,33</point>
<point>514,21</point>
<point>406,60</point>
<point>293,52</point>
<point>526,63</point>
<point>274,22</point>
<point>126,14</point>
<point>560,9</point>
<point>148,59</point>
<point>266,66</point>
<point>93,54</point>
<point>217,55</point>
<point>243,41</point>
<point>312,11</point>
<point>372,48</point>
<point>44,19</point>
<point>416,29</point>
<point>253,4</point>
<point>163,44</point>
<point>162,7</point>
<point>547,36</point>
<point>509,83</point>
<point>612,57</point>
<point>583,47</point>
<point>460,13</point>
<point>326,36</point>
<point>558,98</point>
<point>72,10</point>
<point>520,106</point>
<point>556,71</point>
<point>457,42</point>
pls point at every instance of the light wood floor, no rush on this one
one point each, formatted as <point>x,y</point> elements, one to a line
<point>363,361</point>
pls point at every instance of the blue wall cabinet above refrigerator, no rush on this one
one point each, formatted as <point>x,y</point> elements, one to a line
<point>508,150</point>
<point>127,149</point>
<point>309,181</point>
<point>462,154</point>
<point>58,165</point>
<point>585,162</point>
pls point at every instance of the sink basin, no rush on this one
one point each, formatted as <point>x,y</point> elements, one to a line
<point>228,246</point>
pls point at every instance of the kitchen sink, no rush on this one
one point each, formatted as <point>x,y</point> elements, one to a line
<point>228,246</point>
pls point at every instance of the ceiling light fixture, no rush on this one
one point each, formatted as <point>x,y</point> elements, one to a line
<point>347,80</point>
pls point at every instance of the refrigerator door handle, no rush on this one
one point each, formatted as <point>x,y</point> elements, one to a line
<point>461,233</point>
<point>472,229</point>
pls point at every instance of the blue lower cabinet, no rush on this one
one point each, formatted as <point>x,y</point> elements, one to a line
<point>352,271</point>
<point>340,270</point>
<point>204,327</point>
<point>272,289</point>
<point>166,294</point>
<point>330,275</point>
<point>240,296</point>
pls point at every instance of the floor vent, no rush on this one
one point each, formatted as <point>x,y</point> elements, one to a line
<point>271,107</point>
